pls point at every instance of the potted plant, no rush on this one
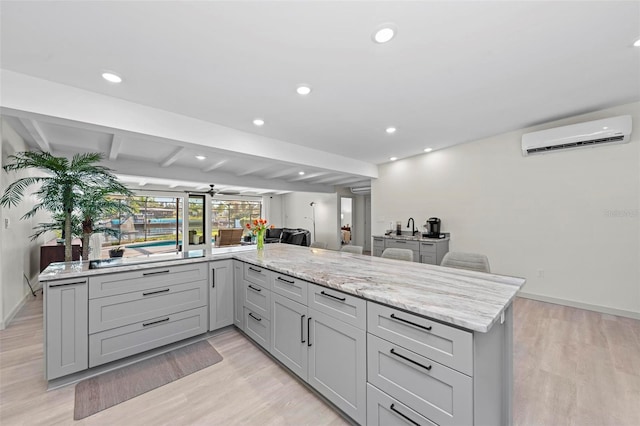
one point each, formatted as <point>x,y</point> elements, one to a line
<point>61,188</point>
<point>116,252</point>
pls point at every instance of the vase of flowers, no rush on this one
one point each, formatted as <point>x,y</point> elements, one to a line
<point>259,228</point>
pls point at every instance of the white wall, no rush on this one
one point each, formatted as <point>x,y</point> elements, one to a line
<point>298,214</point>
<point>566,221</point>
<point>272,210</point>
<point>18,254</point>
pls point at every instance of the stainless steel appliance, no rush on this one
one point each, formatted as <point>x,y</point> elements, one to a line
<point>433,227</point>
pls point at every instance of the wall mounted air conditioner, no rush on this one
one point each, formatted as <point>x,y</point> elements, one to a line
<point>599,132</point>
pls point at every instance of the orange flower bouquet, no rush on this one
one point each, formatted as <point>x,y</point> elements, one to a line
<point>259,228</point>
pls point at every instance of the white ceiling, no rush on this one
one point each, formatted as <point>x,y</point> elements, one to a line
<point>455,72</point>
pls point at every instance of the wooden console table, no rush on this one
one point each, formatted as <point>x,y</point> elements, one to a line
<point>51,252</point>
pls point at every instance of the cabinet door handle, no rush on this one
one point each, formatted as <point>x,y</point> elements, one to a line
<point>392,408</point>
<point>302,329</point>
<point>410,360</point>
<point>254,288</point>
<point>342,299</point>
<point>400,242</point>
<point>286,281</point>
<point>213,280</point>
<point>427,244</point>
<point>409,322</point>
<point>255,270</point>
<point>155,273</point>
<point>309,331</point>
<point>254,317</point>
<point>65,284</point>
<point>155,322</point>
<point>149,293</point>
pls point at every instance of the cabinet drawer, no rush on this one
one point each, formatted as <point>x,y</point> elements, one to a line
<point>257,299</point>
<point>439,393</point>
<point>382,410</point>
<point>442,343</point>
<point>403,244</point>
<point>146,279</point>
<point>123,309</point>
<point>344,307</point>
<point>428,258</point>
<point>292,288</point>
<point>378,243</point>
<point>258,328</point>
<point>121,342</point>
<point>428,248</point>
<point>256,275</point>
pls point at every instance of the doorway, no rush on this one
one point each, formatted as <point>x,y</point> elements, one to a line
<point>346,220</point>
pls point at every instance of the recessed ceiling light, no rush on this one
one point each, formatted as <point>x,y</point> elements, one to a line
<point>393,158</point>
<point>303,90</point>
<point>637,43</point>
<point>384,33</point>
<point>201,157</point>
<point>390,130</point>
<point>111,77</point>
<point>258,122</point>
<point>428,149</point>
<point>301,173</point>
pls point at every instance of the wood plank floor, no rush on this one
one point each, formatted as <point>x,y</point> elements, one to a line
<point>572,367</point>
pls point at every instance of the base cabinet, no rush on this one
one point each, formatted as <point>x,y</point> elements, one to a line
<point>289,334</point>
<point>337,363</point>
<point>238,311</point>
<point>220,294</point>
<point>383,410</point>
<point>66,327</point>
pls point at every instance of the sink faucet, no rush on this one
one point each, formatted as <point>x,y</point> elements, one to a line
<point>413,226</point>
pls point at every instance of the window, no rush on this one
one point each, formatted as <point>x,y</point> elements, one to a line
<point>233,213</point>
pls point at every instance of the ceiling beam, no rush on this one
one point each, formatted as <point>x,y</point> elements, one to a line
<point>214,166</point>
<point>36,133</point>
<point>282,172</point>
<point>348,180</point>
<point>172,158</point>
<point>308,176</point>
<point>116,144</point>
<point>253,170</point>
<point>330,179</point>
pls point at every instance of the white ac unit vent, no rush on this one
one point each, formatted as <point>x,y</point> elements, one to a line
<point>607,131</point>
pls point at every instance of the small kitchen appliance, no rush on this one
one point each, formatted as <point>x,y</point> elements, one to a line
<point>433,227</point>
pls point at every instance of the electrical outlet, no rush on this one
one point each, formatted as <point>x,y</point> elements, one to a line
<point>6,223</point>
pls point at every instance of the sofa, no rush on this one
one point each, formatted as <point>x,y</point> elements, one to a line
<point>295,236</point>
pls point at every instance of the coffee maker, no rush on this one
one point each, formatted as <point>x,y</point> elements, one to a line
<point>433,227</point>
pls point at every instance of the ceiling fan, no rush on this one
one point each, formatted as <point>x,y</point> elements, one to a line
<point>213,191</point>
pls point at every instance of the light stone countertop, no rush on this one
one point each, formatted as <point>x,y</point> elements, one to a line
<point>418,237</point>
<point>469,299</point>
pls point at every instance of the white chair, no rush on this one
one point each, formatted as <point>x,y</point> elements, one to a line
<point>318,244</point>
<point>352,249</point>
<point>398,254</point>
<point>470,261</point>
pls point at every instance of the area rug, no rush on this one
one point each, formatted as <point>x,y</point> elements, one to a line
<point>112,388</point>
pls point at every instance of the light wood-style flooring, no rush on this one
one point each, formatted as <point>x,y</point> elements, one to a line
<point>572,367</point>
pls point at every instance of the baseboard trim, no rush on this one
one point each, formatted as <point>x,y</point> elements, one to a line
<point>581,305</point>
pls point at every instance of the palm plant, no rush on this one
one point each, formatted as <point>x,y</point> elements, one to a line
<point>96,204</point>
<point>65,183</point>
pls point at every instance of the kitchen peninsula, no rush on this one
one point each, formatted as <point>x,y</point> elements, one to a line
<point>380,339</point>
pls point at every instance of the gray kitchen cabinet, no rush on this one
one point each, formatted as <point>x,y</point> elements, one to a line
<point>289,334</point>
<point>337,363</point>
<point>220,294</point>
<point>238,311</point>
<point>412,245</point>
<point>378,246</point>
<point>66,327</point>
<point>383,410</point>
<point>432,252</point>
<point>345,307</point>
<point>258,328</point>
<point>290,287</point>
<point>433,390</point>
